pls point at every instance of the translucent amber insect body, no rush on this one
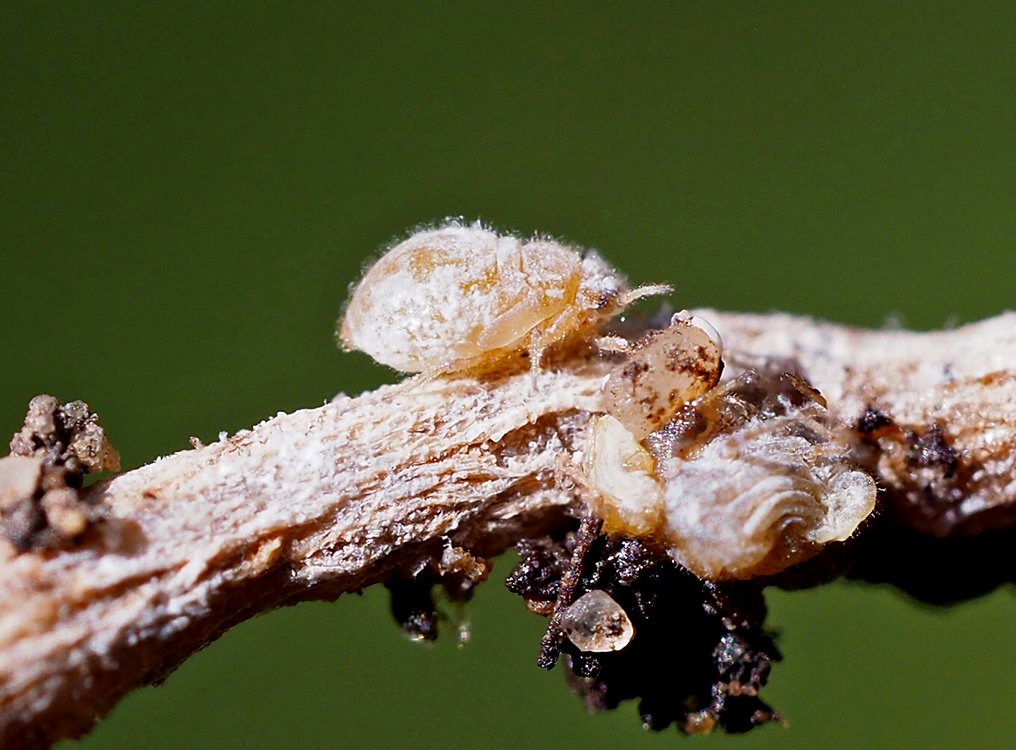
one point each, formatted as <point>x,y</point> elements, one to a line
<point>460,297</point>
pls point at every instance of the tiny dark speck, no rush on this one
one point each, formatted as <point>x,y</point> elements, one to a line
<point>871,420</point>
<point>932,449</point>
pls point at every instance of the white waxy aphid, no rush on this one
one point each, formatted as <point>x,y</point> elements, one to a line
<point>596,623</point>
<point>462,296</point>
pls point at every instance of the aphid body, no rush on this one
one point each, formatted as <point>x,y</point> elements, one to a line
<point>462,296</point>
<point>666,370</point>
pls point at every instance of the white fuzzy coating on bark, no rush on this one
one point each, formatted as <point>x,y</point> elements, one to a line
<point>304,505</point>
<point>962,380</point>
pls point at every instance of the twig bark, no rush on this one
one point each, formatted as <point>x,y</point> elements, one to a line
<point>947,457</point>
<point>324,501</point>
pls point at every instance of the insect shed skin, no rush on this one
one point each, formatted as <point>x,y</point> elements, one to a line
<point>462,297</point>
<point>735,481</point>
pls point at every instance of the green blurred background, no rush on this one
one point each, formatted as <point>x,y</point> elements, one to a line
<point>187,191</point>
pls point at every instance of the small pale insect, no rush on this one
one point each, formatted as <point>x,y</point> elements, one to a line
<point>666,370</point>
<point>461,297</point>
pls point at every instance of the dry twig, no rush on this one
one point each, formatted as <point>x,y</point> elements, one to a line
<point>440,471</point>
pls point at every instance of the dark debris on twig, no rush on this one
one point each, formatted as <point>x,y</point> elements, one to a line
<point>40,506</point>
<point>700,654</point>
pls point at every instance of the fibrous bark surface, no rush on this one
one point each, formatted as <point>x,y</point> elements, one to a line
<point>440,472</point>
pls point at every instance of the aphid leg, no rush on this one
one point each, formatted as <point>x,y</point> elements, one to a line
<point>422,378</point>
<point>535,351</point>
<point>648,290</point>
<point>552,332</point>
<point>550,645</point>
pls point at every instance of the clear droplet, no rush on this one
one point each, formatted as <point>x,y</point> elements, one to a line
<point>596,623</point>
